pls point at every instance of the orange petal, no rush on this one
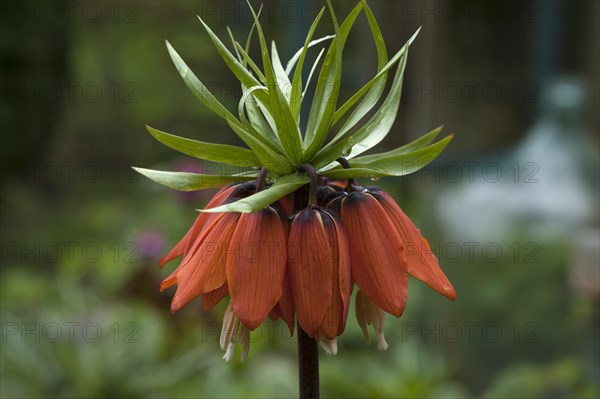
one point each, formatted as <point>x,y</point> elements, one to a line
<point>421,262</point>
<point>210,299</point>
<point>337,183</point>
<point>255,265</point>
<point>344,272</point>
<point>177,250</point>
<point>310,265</point>
<point>334,321</point>
<point>206,219</point>
<point>204,271</point>
<point>287,204</point>
<point>376,252</point>
<point>189,238</point>
<point>286,303</point>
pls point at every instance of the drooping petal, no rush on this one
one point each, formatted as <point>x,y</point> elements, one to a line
<point>421,262</point>
<point>310,266</point>
<point>204,271</point>
<point>195,231</point>
<point>376,252</point>
<point>286,304</point>
<point>334,321</point>
<point>210,299</point>
<point>255,265</point>
<point>287,204</point>
<point>172,278</point>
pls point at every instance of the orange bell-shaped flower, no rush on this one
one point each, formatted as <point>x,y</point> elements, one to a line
<point>319,268</point>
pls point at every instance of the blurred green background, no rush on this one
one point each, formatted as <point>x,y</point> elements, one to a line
<point>510,208</point>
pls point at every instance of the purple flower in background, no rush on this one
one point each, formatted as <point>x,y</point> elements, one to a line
<point>151,244</point>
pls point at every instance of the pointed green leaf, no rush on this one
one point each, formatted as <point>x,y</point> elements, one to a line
<point>284,186</point>
<point>292,62</point>
<point>184,181</point>
<point>239,70</point>
<point>233,42</point>
<point>268,157</point>
<point>379,126</point>
<point>378,85</point>
<point>417,144</point>
<point>295,99</point>
<point>208,151</point>
<point>196,87</point>
<point>248,61</point>
<point>324,159</point>
<point>287,129</point>
<point>326,94</point>
<point>283,81</point>
<point>255,120</point>
<point>206,98</point>
<point>379,117</point>
<point>399,164</point>
<point>312,71</point>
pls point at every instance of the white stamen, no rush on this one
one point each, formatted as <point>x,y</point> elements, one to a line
<point>369,314</point>
<point>329,346</point>
<point>233,331</point>
<point>229,353</point>
<point>382,345</point>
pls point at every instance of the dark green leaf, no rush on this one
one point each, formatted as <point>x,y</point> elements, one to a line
<point>209,151</point>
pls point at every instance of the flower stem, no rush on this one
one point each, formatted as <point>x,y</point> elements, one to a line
<point>261,180</point>
<point>308,366</point>
<point>314,183</point>
<point>346,165</point>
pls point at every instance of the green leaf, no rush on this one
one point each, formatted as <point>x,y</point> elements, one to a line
<point>237,54</point>
<point>296,93</point>
<point>205,96</point>
<point>184,181</point>
<point>398,164</point>
<point>292,62</point>
<point>376,86</point>
<point>417,144</point>
<point>378,83</point>
<point>312,71</point>
<point>329,154</point>
<point>209,151</point>
<point>281,77</point>
<point>233,41</point>
<point>197,88</point>
<point>326,94</point>
<point>268,157</point>
<point>287,129</point>
<point>247,60</point>
<point>255,120</point>
<point>239,70</point>
<point>379,126</point>
<point>284,186</point>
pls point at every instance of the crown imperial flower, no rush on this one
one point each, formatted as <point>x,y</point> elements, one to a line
<point>291,231</point>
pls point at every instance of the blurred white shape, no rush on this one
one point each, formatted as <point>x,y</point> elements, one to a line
<point>549,184</point>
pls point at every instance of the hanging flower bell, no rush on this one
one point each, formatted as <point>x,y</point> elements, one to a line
<point>291,230</point>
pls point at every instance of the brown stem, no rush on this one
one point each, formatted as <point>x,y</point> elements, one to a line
<point>314,184</point>
<point>346,165</point>
<point>262,179</point>
<point>308,366</point>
